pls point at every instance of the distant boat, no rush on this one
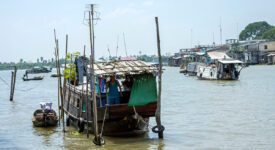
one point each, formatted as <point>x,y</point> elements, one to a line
<point>45,116</point>
<point>34,78</point>
<point>191,68</point>
<point>55,75</point>
<point>39,70</point>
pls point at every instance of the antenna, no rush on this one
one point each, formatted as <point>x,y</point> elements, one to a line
<point>213,39</point>
<point>109,51</point>
<point>191,38</point>
<point>90,11</point>
<point>117,45</point>
<point>221,29</point>
<point>237,31</point>
<point>125,45</point>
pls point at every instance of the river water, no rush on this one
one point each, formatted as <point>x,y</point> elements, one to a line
<point>197,114</point>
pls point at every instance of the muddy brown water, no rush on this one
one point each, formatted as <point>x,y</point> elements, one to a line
<point>197,114</point>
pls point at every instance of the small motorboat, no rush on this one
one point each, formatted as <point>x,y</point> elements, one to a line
<point>45,116</point>
<point>34,78</point>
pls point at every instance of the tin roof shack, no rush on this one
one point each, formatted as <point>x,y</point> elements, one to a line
<point>266,48</point>
<point>251,53</point>
<point>175,60</point>
<point>234,50</point>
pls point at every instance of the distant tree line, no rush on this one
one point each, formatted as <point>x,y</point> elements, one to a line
<point>258,30</point>
<point>28,65</point>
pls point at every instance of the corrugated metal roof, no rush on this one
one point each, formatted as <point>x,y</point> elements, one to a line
<point>123,67</point>
<point>218,55</point>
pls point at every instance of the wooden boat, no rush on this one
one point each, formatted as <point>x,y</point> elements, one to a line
<point>119,119</point>
<point>34,78</point>
<point>44,117</point>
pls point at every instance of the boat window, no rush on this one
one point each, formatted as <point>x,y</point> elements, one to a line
<point>78,101</point>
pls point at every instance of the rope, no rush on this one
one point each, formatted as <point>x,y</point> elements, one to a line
<point>4,81</point>
<point>141,118</point>
<point>103,120</point>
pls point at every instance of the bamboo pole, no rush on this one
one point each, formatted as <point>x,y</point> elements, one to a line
<point>11,88</point>
<point>57,71</point>
<point>69,99</point>
<point>92,85</point>
<point>64,84</point>
<point>60,81</point>
<point>87,98</point>
<point>58,94</point>
<point>82,89</point>
<point>158,111</point>
<point>60,86</point>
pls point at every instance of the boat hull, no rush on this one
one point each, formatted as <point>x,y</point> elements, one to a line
<point>44,118</point>
<point>119,119</point>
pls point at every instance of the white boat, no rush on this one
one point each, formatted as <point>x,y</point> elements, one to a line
<point>224,69</point>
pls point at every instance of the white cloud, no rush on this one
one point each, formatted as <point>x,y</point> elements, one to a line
<point>148,3</point>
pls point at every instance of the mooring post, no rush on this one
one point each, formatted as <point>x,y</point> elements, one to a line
<point>14,80</point>
<point>158,111</point>
<point>11,88</point>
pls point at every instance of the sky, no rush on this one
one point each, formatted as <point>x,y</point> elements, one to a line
<point>26,27</point>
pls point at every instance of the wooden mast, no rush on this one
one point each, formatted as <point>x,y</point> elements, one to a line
<point>92,85</point>
<point>158,111</point>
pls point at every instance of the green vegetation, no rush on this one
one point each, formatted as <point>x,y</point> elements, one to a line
<point>269,34</point>
<point>255,30</point>
<point>27,65</point>
<point>70,69</point>
<point>52,64</point>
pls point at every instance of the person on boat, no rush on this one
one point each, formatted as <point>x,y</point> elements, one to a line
<point>26,75</point>
<point>113,95</point>
<point>127,83</point>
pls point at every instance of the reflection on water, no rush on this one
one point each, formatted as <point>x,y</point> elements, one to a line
<point>197,114</point>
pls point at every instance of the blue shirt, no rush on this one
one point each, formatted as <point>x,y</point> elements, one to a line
<point>113,90</point>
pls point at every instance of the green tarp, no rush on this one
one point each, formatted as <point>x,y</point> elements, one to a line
<point>144,90</point>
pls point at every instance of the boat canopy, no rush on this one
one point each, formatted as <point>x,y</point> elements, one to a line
<point>230,61</point>
<point>218,55</point>
<point>120,67</point>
